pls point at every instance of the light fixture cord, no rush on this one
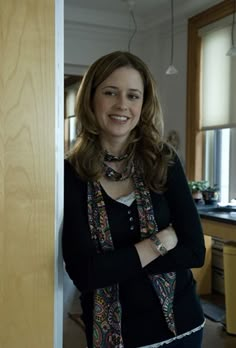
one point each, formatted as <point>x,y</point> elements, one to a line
<point>172,33</point>
<point>233,24</point>
<point>135,29</point>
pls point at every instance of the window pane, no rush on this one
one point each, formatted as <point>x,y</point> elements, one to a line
<point>209,156</point>
<point>232,169</point>
<point>70,101</point>
<point>72,129</point>
<point>218,161</point>
<point>225,165</point>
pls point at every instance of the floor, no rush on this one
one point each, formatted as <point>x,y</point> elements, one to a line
<point>73,335</point>
<point>214,336</point>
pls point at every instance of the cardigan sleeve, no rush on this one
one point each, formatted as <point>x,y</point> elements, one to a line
<point>88,269</point>
<point>190,249</point>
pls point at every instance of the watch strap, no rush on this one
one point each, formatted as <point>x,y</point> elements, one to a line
<point>158,245</point>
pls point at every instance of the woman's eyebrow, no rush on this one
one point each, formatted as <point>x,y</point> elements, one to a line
<point>130,89</point>
<point>114,87</point>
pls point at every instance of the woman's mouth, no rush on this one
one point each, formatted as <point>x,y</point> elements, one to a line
<point>119,117</point>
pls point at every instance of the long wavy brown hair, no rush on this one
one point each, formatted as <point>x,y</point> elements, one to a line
<point>146,144</point>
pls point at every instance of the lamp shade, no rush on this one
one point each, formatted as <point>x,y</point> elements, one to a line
<point>171,70</point>
<point>231,52</point>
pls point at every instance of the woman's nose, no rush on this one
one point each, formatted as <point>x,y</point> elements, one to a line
<point>121,103</point>
<point>121,107</point>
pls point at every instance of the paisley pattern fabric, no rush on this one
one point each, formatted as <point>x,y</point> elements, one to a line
<point>164,284</point>
<point>107,308</point>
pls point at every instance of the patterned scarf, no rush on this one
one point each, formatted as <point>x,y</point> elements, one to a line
<point>107,308</point>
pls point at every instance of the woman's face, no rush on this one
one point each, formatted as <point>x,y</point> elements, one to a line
<point>117,104</point>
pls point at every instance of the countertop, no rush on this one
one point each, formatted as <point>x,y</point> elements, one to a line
<point>220,214</point>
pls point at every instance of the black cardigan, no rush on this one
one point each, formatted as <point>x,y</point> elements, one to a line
<point>142,319</point>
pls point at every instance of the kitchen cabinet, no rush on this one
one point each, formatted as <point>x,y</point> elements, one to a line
<point>215,224</point>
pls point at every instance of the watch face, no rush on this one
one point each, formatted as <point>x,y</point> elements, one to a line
<point>159,246</point>
<point>163,250</point>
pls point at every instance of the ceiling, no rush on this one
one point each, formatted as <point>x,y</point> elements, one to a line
<point>145,8</point>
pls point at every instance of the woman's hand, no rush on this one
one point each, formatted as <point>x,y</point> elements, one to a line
<point>145,248</point>
<point>168,238</point>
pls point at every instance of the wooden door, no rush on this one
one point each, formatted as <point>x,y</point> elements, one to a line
<point>29,159</point>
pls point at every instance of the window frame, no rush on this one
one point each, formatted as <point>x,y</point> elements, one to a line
<point>194,137</point>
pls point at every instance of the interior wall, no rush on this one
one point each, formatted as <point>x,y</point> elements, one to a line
<point>84,45</point>
<point>148,48</point>
<point>27,173</point>
<point>173,87</point>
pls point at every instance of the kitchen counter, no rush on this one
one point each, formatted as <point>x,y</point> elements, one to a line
<point>218,222</point>
<point>221,214</point>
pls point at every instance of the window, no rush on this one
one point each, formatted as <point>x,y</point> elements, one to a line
<point>71,85</point>
<point>211,108</point>
<point>217,105</point>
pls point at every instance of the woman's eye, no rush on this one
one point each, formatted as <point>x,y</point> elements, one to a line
<point>112,93</point>
<point>133,96</point>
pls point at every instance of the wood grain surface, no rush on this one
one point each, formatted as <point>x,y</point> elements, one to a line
<point>27,161</point>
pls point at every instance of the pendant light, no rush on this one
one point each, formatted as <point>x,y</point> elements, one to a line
<point>232,50</point>
<point>131,4</point>
<point>172,69</point>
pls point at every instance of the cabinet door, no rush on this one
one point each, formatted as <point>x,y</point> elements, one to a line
<point>203,275</point>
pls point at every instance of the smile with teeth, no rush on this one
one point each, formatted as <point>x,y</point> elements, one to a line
<point>119,118</point>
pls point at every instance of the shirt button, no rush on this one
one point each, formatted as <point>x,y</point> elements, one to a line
<point>131,218</point>
<point>129,212</point>
<point>132,227</point>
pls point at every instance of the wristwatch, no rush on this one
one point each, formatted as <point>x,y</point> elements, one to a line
<point>158,245</point>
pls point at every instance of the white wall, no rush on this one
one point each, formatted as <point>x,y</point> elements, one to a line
<point>90,34</point>
<point>173,87</point>
<point>83,46</point>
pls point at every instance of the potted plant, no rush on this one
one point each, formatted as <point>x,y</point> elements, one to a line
<point>211,194</point>
<point>197,187</point>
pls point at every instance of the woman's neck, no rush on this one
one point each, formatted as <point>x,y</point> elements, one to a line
<point>114,148</point>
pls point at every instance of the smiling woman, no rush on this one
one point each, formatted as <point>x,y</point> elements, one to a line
<point>117,104</point>
<point>131,230</point>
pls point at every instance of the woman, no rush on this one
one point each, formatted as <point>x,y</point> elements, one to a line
<point>131,229</point>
